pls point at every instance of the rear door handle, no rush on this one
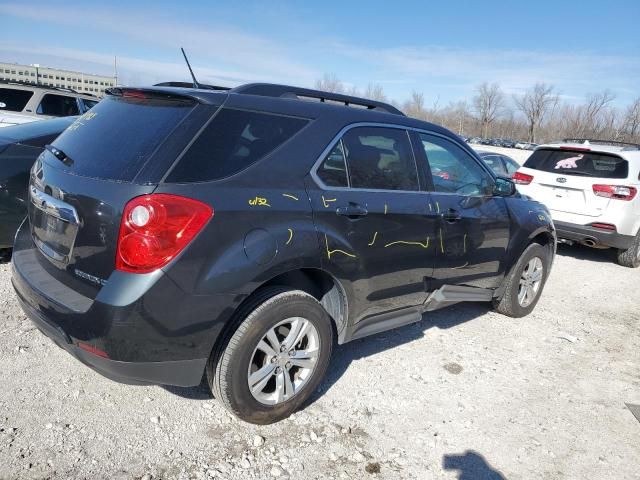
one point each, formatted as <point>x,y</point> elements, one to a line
<point>451,216</point>
<point>353,210</point>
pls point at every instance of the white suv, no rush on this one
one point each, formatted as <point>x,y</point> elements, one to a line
<point>23,103</point>
<point>591,189</point>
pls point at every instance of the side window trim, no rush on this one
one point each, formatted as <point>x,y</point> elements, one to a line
<point>338,139</point>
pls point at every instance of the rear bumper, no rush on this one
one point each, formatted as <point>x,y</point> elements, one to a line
<point>138,329</point>
<point>580,233</point>
<point>184,373</point>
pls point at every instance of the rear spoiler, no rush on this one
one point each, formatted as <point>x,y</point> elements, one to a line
<point>166,93</point>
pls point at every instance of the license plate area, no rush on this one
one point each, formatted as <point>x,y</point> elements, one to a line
<point>54,226</point>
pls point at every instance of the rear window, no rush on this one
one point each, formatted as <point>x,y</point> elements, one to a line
<point>14,100</point>
<point>233,140</point>
<point>117,137</point>
<point>579,163</point>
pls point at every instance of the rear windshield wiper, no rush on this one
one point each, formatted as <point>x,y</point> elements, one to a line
<point>59,154</point>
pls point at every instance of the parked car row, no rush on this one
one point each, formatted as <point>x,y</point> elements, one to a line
<point>500,142</point>
<point>242,243</point>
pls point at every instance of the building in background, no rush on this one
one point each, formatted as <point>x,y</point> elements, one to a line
<point>54,77</point>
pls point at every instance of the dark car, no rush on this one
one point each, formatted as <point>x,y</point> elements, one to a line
<point>502,165</point>
<point>20,145</point>
<point>174,232</point>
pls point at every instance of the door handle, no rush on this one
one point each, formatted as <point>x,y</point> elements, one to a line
<point>451,216</point>
<point>352,210</point>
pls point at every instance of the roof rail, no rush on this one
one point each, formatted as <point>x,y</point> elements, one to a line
<point>40,85</point>
<point>190,85</point>
<point>613,143</point>
<point>286,91</point>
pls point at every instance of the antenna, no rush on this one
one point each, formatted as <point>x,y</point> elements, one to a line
<point>195,82</point>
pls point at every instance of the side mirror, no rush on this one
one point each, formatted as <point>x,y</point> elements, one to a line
<point>504,187</point>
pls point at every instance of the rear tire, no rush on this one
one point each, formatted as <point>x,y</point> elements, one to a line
<point>261,343</point>
<point>522,275</point>
<point>631,256</point>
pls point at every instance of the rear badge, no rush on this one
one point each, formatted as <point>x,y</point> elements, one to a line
<point>91,278</point>
<point>561,180</point>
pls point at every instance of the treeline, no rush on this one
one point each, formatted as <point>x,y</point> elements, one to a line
<point>538,115</point>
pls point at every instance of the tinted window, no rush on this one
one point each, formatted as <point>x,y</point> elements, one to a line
<point>581,163</point>
<point>495,163</point>
<point>380,158</point>
<point>233,140</point>
<point>116,138</point>
<point>58,106</point>
<point>333,170</point>
<point>88,103</point>
<point>453,170</point>
<point>14,100</point>
<point>511,165</point>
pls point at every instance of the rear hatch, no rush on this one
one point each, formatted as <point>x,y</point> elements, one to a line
<point>563,179</point>
<point>81,183</point>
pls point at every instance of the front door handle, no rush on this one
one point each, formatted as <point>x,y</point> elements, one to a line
<point>451,216</point>
<point>353,210</point>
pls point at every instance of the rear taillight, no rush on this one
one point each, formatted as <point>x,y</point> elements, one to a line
<point>522,178</point>
<point>155,228</point>
<point>615,191</point>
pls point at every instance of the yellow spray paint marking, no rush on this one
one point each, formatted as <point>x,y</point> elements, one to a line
<point>430,208</point>
<point>542,218</point>
<point>385,209</point>
<point>326,201</point>
<point>331,252</point>
<point>441,242</point>
<point>464,243</point>
<point>290,236</point>
<point>437,207</point>
<point>292,197</point>
<point>402,242</point>
<point>373,240</point>
<point>259,202</point>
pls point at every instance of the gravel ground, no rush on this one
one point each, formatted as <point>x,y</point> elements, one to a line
<point>464,394</point>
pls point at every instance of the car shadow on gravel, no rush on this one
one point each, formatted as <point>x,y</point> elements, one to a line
<point>471,466</point>
<point>343,355</point>
<point>580,252</point>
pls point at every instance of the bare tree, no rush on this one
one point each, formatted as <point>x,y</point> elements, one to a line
<point>375,91</point>
<point>414,107</point>
<point>631,122</point>
<point>488,102</point>
<point>535,104</point>
<point>330,83</point>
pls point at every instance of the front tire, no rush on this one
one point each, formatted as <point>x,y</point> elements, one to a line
<point>276,357</point>
<point>525,282</point>
<point>631,256</point>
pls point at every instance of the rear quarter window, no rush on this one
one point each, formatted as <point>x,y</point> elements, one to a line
<point>231,142</point>
<point>13,100</point>
<point>578,163</point>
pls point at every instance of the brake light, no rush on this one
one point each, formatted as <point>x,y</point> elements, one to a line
<point>522,178</point>
<point>576,149</point>
<point>155,228</point>
<point>615,191</point>
<point>604,226</point>
<point>134,94</point>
